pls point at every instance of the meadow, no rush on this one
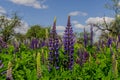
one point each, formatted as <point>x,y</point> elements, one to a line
<point>66,59</point>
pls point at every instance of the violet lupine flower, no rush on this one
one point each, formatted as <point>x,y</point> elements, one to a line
<point>53,48</point>
<point>85,38</point>
<point>118,38</point>
<point>85,56</point>
<point>2,43</point>
<point>34,44</point>
<point>16,45</point>
<point>69,44</point>
<point>82,57</point>
<point>1,64</point>
<point>109,42</point>
<point>91,36</point>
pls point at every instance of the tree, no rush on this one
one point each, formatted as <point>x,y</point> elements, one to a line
<point>37,31</point>
<point>112,28</point>
<point>7,26</point>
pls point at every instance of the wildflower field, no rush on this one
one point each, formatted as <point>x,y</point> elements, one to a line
<point>83,43</point>
<point>53,59</point>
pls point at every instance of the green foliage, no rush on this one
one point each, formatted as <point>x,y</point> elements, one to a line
<point>24,65</point>
<point>36,31</point>
<point>7,26</point>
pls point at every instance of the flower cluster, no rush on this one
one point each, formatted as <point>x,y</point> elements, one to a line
<point>34,44</point>
<point>1,64</point>
<point>82,56</point>
<point>85,38</point>
<point>9,72</point>
<point>16,45</point>
<point>68,40</point>
<point>53,48</point>
<point>91,36</point>
<point>2,43</point>
<point>109,42</point>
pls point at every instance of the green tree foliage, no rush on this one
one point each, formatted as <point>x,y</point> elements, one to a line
<point>20,36</point>
<point>37,31</point>
<point>7,26</point>
<point>112,28</point>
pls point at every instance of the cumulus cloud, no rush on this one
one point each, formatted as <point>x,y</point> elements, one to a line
<point>77,13</point>
<point>2,10</point>
<point>60,28</point>
<point>99,20</point>
<point>23,28</point>
<point>61,33</point>
<point>77,25</point>
<point>33,3</point>
<point>75,22</point>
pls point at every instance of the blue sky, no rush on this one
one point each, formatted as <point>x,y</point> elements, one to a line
<point>43,11</point>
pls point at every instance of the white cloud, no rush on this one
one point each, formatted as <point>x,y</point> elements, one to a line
<point>75,22</point>
<point>33,3</point>
<point>61,33</point>
<point>2,10</point>
<point>60,27</point>
<point>77,13</point>
<point>99,20</point>
<point>79,26</point>
<point>23,28</point>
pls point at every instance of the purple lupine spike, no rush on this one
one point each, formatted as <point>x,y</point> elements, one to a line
<point>109,42</point>
<point>118,38</point>
<point>16,45</point>
<point>1,64</point>
<point>80,57</point>
<point>34,44</point>
<point>91,36</point>
<point>2,43</point>
<point>85,56</point>
<point>53,48</point>
<point>68,41</point>
<point>85,38</point>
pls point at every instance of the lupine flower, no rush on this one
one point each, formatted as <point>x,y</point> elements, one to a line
<point>43,43</point>
<point>114,66</point>
<point>34,44</point>
<point>2,43</point>
<point>9,72</point>
<point>69,44</point>
<point>91,36</point>
<point>82,57</point>
<point>118,38</point>
<point>38,65</point>
<point>109,42</point>
<point>1,64</point>
<point>53,48</point>
<point>16,45</point>
<point>85,38</point>
<point>85,56</point>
